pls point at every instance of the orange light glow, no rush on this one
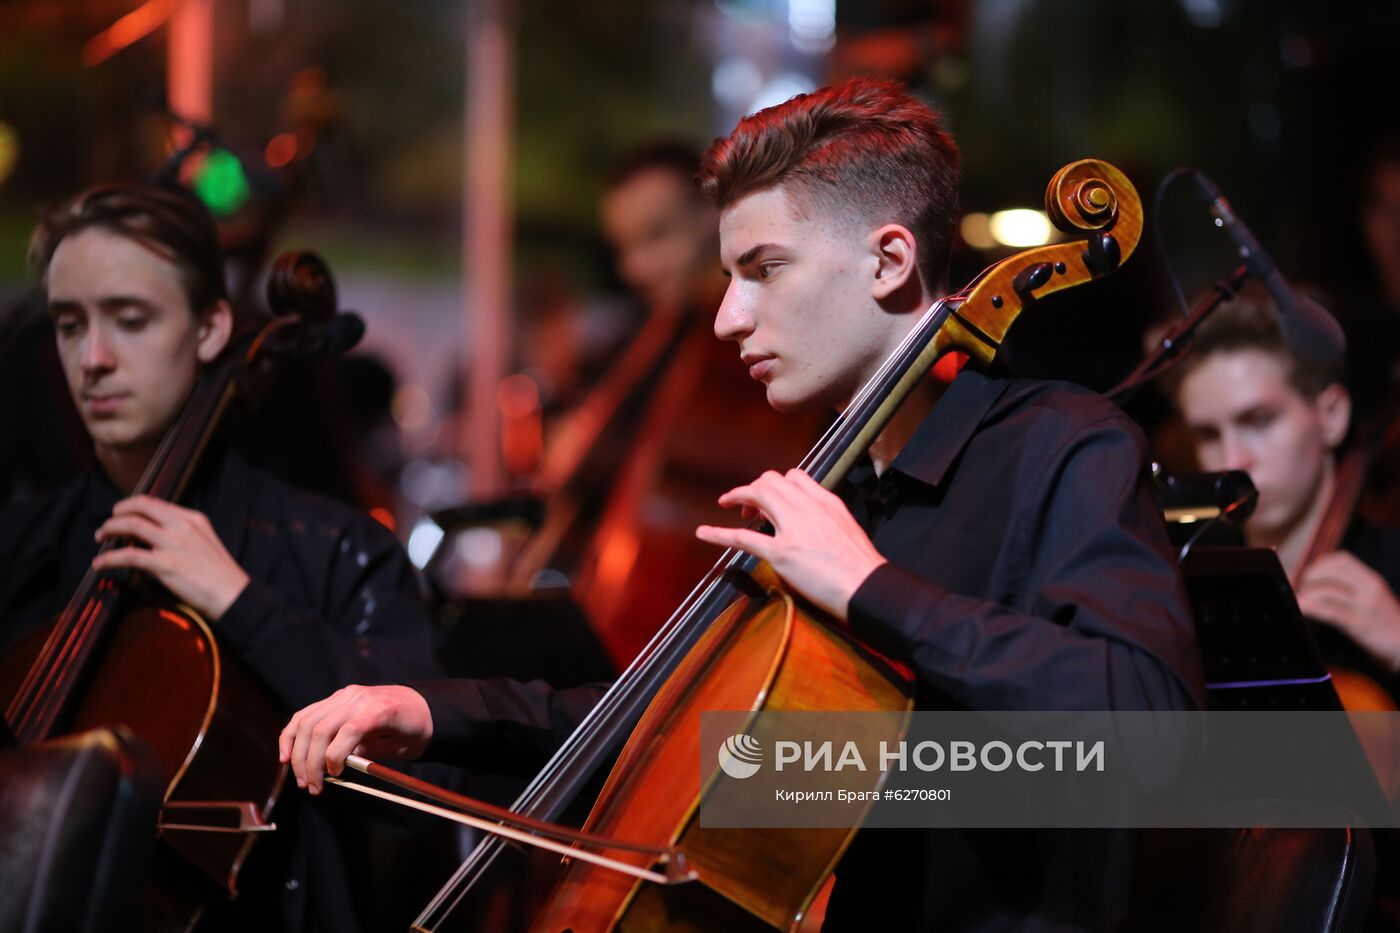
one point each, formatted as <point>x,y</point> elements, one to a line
<point>949,365</point>
<point>137,24</point>
<point>189,74</point>
<point>518,396</point>
<point>281,150</point>
<point>383,516</point>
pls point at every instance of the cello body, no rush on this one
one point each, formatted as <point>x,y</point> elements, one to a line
<point>741,642</point>
<point>211,726</point>
<point>121,654</point>
<point>763,653</point>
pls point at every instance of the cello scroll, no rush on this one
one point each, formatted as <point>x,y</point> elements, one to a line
<point>1090,200</point>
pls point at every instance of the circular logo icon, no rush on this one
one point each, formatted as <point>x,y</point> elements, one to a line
<point>740,756</point>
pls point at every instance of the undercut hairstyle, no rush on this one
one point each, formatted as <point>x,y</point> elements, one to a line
<point>865,149</point>
<point>170,222</point>
<point>1250,321</point>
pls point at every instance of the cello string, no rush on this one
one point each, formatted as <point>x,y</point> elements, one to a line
<point>602,715</point>
<point>54,671</point>
<point>870,389</point>
<point>876,389</point>
<point>670,631</point>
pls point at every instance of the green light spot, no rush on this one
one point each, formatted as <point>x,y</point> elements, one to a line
<point>221,184</point>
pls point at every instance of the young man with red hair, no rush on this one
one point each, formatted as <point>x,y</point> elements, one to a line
<point>999,538</point>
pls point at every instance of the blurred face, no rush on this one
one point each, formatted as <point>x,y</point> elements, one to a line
<point>799,302</point>
<point>129,344</point>
<point>1381,221</point>
<point>1244,415</point>
<point>663,234</point>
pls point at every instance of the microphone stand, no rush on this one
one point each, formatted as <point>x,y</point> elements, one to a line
<point>1168,354</point>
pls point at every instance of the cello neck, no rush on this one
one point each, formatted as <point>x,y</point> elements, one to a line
<point>37,709</point>
<point>1350,484</point>
<point>300,290</point>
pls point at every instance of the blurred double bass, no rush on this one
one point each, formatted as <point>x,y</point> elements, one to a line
<point>122,652</point>
<point>741,641</point>
<point>675,422</point>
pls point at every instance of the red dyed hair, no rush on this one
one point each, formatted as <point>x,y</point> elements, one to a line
<point>864,149</point>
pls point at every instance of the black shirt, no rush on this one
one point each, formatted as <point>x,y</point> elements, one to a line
<point>1378,548</point>
<point>1028,569</point>
<point>1029,566</point>
<point>332,600</point>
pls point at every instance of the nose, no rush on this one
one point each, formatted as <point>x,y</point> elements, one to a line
<point>733,320</point>
<point>1235,455</point>
<point>96,355</point>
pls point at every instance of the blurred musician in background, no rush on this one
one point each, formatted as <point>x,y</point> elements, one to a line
<point>674,422</point>
<point>1372,309</point>
<point>1251,403</point>
<point>1370,314</point>
<point>311,594</point>
<point>664,234</point>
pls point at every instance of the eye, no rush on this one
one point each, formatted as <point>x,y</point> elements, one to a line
<point>1258,419</point>
<point>1205,434</point>
<point>766,270</point>
<point>131,322</point>
<point>67,325</point>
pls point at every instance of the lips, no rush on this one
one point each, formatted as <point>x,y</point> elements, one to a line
<point>104,404</point>
<point>759,364</point>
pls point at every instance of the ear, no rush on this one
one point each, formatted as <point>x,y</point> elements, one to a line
<point>896,260</point>
<point>215,328</point>
<point>1333,406</point>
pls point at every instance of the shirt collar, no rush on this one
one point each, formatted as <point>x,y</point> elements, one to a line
<point>937,442</point>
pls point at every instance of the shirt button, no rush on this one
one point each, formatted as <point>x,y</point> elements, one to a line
<point>293,884</point>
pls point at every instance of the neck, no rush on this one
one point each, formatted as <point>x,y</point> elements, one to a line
<point>1293,540</point>
<point>904,423</point>
<point>915,408</point>
<point>125,465</point>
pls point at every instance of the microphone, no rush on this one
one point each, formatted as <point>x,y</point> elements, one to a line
<point>1308,328</point>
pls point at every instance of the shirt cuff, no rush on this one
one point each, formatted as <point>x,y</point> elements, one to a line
<point>890,607</point>
<point>459,714</point>
<point>245,619</point>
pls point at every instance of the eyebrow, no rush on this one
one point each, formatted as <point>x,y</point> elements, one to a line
<point>108,303</point>
<point>1262,408</point>
<point>1253,411</point>
<point>751,254</point>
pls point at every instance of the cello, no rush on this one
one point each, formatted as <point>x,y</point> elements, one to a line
<point>743,642</point>
<point>206,719</point>
<point>1357,691</point>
